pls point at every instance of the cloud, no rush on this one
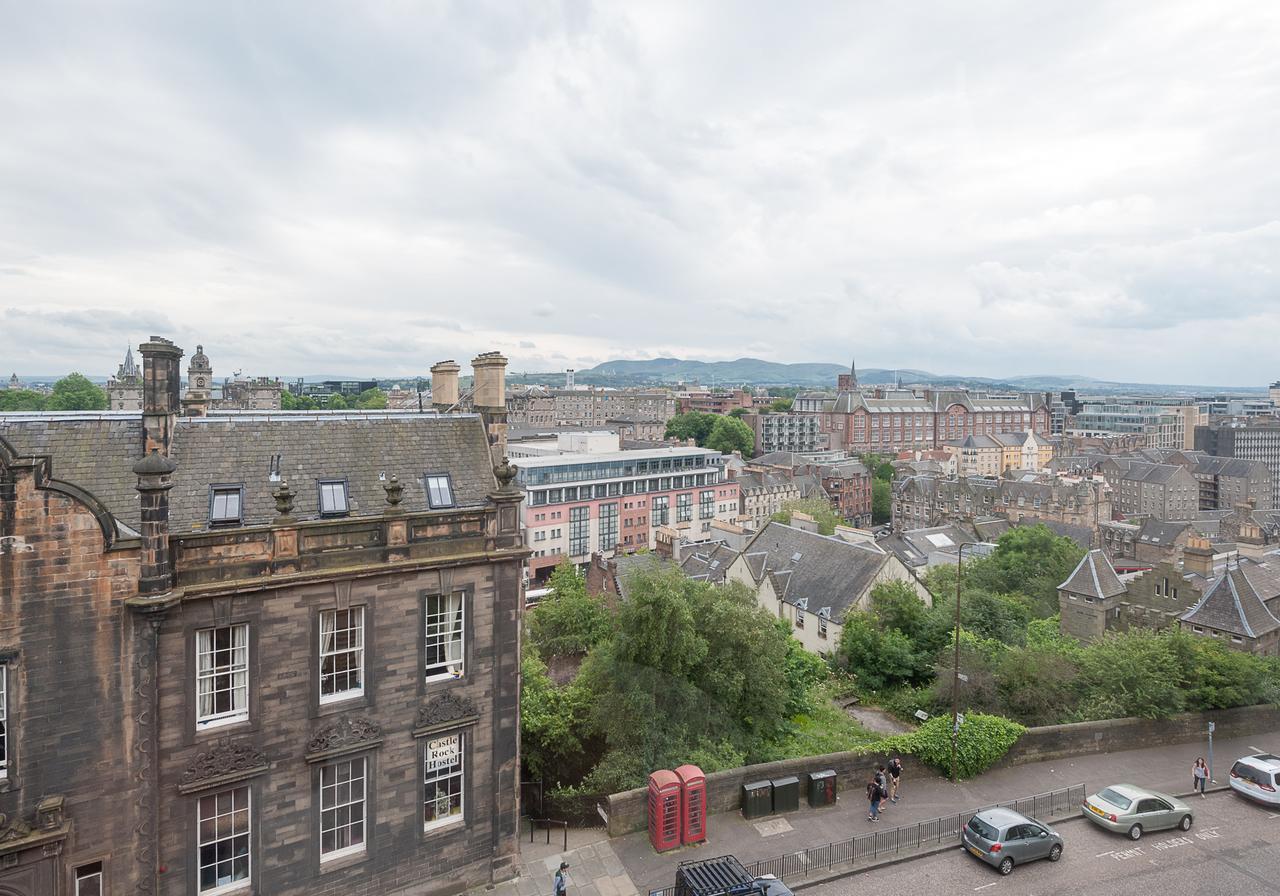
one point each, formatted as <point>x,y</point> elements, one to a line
<point>993,190</point>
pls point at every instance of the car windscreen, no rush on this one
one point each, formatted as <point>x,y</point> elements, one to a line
<point>1119,800</point>
<point>983,830</point>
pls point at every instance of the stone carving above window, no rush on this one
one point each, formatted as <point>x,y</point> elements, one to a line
<point>443,711</point>
<point>346,735</point>
<point>222,764</point>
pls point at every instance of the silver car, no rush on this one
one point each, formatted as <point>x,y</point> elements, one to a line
<point>1003,838</point>
<point>1131,810</point>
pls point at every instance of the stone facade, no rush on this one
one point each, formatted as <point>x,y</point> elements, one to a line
<point>186,665</point>
<point>124,390</point>
<point>1162,491</point>
<point>920,502</point>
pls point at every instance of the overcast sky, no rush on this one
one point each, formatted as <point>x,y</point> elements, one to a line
<point>979,188</point>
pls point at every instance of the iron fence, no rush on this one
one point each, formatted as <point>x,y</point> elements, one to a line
<point>908,838</point>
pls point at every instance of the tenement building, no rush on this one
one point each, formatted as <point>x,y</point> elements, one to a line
<point>262,653</point>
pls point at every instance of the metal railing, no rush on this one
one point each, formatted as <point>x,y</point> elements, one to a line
<point>908,838</point>
<point>549,823</point>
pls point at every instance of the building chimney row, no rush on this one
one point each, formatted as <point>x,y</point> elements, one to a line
<point>444,385</point>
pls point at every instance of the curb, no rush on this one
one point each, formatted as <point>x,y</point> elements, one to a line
<point>935,850</point>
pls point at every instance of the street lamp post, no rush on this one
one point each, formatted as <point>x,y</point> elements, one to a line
<point>955,674</point>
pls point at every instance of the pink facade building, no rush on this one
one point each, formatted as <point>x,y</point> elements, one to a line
<point>579,504</point>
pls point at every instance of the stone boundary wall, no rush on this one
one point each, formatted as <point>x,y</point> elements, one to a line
<point>626,811</point>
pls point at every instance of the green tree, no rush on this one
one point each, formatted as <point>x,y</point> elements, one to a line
<point>895,605</point>
<point>336,402</point>
<point>818,508</point>
<point>881,501</point>
<point>694,425</point>
<point>291,402</point>
<point>75,392</point>
<point>21,400</point>
<point>881,467</point>
<point>878,659</point>
<point>568,621</point>
<point>729,434</point>
<point>1130,675</point>
<point>556,733</point>
<point>1030,560</point>
<point>780,405</point>
<point>1037,685</point>
<point>739,413</point>
<point>371,400</point>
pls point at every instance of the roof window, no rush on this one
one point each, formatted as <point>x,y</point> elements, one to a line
<point>226,505</point>
<point>439,491</point>
<point>333,497</point>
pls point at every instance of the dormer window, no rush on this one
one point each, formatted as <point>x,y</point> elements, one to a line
<point>226,505</point>
<point>333,497</point>
<point>439,491</point>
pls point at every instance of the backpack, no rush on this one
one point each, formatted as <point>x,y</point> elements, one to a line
<point>873,790</point>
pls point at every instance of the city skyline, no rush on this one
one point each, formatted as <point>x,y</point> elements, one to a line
<point>994,191</point>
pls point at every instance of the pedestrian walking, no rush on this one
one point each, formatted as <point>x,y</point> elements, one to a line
<point>561,881</point>
<point>882,782</point>
<point>1199,776</point>
<point>895,778</point>
<point>873,796</point>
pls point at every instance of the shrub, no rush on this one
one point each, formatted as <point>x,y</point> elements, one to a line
<point>984,740</point>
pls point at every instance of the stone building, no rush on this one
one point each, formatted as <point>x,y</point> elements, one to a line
<point>761,495</point>
<point>593,406</point>
<point>1257,439</point>
<point>124,390</point>
<point>260,654</point>
<point>844,482</point>
<point>1162,491</point>
<point>920,502</point>
<point>1088,601</point>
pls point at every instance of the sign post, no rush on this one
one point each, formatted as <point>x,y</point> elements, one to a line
<point>1211,727</point>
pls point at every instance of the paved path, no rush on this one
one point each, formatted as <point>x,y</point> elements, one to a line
<point>1160,767</point>
<point>594,868</point>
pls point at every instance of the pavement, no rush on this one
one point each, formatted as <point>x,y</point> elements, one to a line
<point>628,866</point>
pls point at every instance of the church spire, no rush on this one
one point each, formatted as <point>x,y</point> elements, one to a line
<point>853,372</point>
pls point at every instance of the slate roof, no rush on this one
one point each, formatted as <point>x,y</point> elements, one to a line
<point>1161,532</point>
<point>98,455</point>
<point>1094,577</point>
<point>95,451</point>
<point>828,572</point>
<point>1237,602</point>
<point>756,481</point>
<point>625,566</point>
<point>914,546</point>
<point>1231,467</point>
<point>708,562</point>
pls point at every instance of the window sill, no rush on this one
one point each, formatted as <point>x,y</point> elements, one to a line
<point>344,859</point>
<point>219,724</point>
<point>240,886</point>
<point>442,825</point>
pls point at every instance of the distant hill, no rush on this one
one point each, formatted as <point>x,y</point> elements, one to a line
<point>755,372</point>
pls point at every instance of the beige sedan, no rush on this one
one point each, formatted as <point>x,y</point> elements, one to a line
<point>1133,811</point>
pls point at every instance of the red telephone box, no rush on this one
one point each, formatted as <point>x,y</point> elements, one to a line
<point>664,810</point>
<point>693,813</point>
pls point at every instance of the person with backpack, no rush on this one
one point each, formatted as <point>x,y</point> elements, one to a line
<point>559,886</point>
<point>873,795</point>
<point>895,776</point>
<point>882,781</point>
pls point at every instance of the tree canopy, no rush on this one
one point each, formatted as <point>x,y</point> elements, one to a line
<point>371,400</point>
<point>729,434</point>
<point>21,400</point>
<point>694,425</point>
<point>75,392</point>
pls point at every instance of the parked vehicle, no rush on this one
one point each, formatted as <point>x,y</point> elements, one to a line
<point>725,876</point>
<point>1258,778</point>
<point>1003,838</point>
<point>1133,811</point>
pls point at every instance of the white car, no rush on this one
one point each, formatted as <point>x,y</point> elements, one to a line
<point>1258,778</point>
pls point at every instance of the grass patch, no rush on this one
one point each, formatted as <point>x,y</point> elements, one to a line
<point>826,728</point>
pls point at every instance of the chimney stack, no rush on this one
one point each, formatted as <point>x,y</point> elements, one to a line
<point>155,478</point>
<point>1197,556</point>
<point>161,379</point>
<point>444,385</point>
<point>490,399</point>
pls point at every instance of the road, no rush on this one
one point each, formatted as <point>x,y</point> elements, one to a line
<point>1232,848</point>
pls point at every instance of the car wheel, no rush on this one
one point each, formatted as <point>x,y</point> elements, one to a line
<point>1055,853</point>
<point>1135,832</point>
<point>1185,824</point>
<point>1006,865</point>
